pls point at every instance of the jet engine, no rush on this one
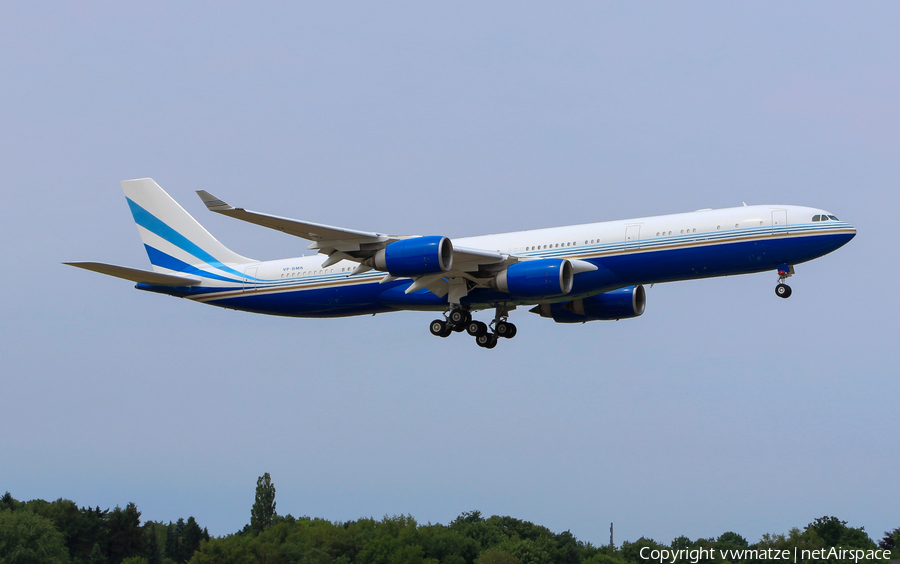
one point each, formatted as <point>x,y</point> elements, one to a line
<point>545,278</point>
<point>618,304</point>
<point>415,257</point>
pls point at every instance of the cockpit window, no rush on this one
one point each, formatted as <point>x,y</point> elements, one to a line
<point>834,218</point>
<point>817,218</point>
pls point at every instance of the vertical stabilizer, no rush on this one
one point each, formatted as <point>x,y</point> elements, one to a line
<point>174,240</point>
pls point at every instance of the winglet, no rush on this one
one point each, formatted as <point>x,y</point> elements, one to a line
<point>213,203</point>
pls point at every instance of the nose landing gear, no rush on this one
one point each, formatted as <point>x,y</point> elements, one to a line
<point>782,290</point>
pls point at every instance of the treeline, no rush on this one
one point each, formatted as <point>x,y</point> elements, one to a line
<point>474,539</point>
<point>61,532</point>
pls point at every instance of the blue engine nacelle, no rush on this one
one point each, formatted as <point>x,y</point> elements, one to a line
<point>618,304</point>
<point>416,257</point>
<point>545,278</point>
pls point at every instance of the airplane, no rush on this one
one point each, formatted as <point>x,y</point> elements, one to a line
<point>570,274</point>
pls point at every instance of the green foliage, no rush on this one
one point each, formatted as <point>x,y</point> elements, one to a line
<point>605,555</point>
<point>96,556</point>
<point>180,539</point>
<point>496,556</point>
<point>731,540</point>
<point>152,547</point>
<point>40,531</point>
<point>263,511</point>
<point>835,532</point>
<point>191,537</point>
<point>81,528</point>
<point>26,538</point>
<point>7,502</point>
<point>173,541</point>
<point>125,537</point>
<point>631,551</point>
<point>890,540</point>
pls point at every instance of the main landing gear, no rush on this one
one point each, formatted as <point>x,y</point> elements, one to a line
<point>782,290</point>
<point>458,320</point>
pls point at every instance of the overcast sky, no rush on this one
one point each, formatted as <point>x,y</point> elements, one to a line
<point>721,408</point>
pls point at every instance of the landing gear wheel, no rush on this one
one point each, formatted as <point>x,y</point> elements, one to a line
<point>460,317</point>
<point>487,340</point>
<point>476,328</point>
<point>783,291</point>
<point>439,328</point>
<point>458,328</point>
<point>505,329</point>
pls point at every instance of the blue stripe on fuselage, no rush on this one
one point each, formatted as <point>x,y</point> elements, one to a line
<point>614,271</point>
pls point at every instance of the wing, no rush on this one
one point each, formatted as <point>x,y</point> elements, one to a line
<point>471,267</point>
<point>324,237</point>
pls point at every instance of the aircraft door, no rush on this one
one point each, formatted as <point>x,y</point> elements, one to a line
<point>249,279</point>
<point>633,237</point>
<point>779,221</point>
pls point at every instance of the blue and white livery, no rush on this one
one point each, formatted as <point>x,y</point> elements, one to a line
<point>571,274</point>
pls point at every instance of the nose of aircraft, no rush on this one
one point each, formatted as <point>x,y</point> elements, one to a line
<point>848,233</point>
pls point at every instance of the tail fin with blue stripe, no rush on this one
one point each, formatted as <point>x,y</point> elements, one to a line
<point>174,240</point>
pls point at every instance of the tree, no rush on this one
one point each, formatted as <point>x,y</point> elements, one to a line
<point>263,510</point>
<point>890,539</point>
<point>28,538</point>
<point>96,556</point>
<point>190,538</point>
<point>81,528</point>
<point>125,536</point>
<point>731,540</point>
<point>496,556</point>
<point>836,533</point>
<point>8,502</point>
<point>152,547</point>
<point>173,533</point>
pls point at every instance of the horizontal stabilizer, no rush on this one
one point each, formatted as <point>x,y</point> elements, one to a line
<point>136,274</point>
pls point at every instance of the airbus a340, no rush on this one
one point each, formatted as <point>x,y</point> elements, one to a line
<point>570,274</point>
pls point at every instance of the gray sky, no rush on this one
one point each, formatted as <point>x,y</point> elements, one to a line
<point>722,408</point>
